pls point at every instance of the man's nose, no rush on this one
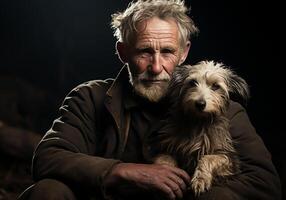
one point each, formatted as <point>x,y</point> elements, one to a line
<point>156,65</point>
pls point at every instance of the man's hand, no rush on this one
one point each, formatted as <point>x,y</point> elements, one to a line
<point>171,181</point>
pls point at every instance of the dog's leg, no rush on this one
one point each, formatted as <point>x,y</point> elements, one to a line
<point>208,167</point>
<point>165,159</point>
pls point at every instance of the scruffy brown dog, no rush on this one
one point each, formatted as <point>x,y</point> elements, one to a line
<point>196,134</point>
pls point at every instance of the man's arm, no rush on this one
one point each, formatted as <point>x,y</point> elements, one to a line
<point>258,178</point>
<point>66,152</point>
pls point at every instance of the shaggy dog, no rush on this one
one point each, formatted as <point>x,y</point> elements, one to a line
<point>195,136</point>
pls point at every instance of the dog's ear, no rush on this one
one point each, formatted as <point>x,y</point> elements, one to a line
<point>239,90</point>
<point>178,77</point>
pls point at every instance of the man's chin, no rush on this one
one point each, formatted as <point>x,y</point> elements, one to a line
<point>153,93</point>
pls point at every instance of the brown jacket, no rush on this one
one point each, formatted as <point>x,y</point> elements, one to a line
<point>90,135</point>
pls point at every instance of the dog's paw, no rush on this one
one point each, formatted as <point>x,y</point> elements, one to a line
<point>201,182</point>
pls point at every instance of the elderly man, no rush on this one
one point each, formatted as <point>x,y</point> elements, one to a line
<point>94,149</point>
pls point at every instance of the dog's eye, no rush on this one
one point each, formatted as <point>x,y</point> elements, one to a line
<point>215,86</point>
<point>192,83</point>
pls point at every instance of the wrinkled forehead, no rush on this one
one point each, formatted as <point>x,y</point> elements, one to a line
<point>157,27</point>
<point>156,21</point>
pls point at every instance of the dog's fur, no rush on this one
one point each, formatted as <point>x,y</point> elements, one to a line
<point>196,134</point>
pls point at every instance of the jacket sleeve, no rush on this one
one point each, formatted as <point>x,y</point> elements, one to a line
<point>67,150</point>
<point>258,178</point>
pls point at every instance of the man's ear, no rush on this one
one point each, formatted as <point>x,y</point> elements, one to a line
<point>185,52</point>
<point>121,51</point>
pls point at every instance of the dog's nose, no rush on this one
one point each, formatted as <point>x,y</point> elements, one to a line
<point>200,104</point>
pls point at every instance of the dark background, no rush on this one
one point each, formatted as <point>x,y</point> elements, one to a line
<point>53,45</point>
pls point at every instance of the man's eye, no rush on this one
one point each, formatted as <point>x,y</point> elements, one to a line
<point>167,51</point>
<point>146,50</point>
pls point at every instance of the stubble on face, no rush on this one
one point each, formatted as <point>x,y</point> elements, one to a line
<point>151,87</point>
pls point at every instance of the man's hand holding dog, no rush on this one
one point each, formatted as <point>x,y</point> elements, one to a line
<point>171,181</point>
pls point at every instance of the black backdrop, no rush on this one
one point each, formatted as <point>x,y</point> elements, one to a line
<point>57,44</point>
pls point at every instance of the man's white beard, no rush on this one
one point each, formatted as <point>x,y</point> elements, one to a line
<point>153,92</point>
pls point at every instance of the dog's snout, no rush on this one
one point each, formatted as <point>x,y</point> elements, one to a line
<point>200,104</point>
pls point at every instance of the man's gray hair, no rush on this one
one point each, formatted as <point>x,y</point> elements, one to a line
<point>124,23</point>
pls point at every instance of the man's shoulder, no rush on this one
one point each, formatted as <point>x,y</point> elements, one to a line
<point>234,108</point>
<point>91,91</point>
<point>94,86</point>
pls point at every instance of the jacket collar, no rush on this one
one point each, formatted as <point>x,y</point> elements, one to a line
<point>121,78</point>
<point>114,95</point>
<point>114,104</point>
<point>122,86</point>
